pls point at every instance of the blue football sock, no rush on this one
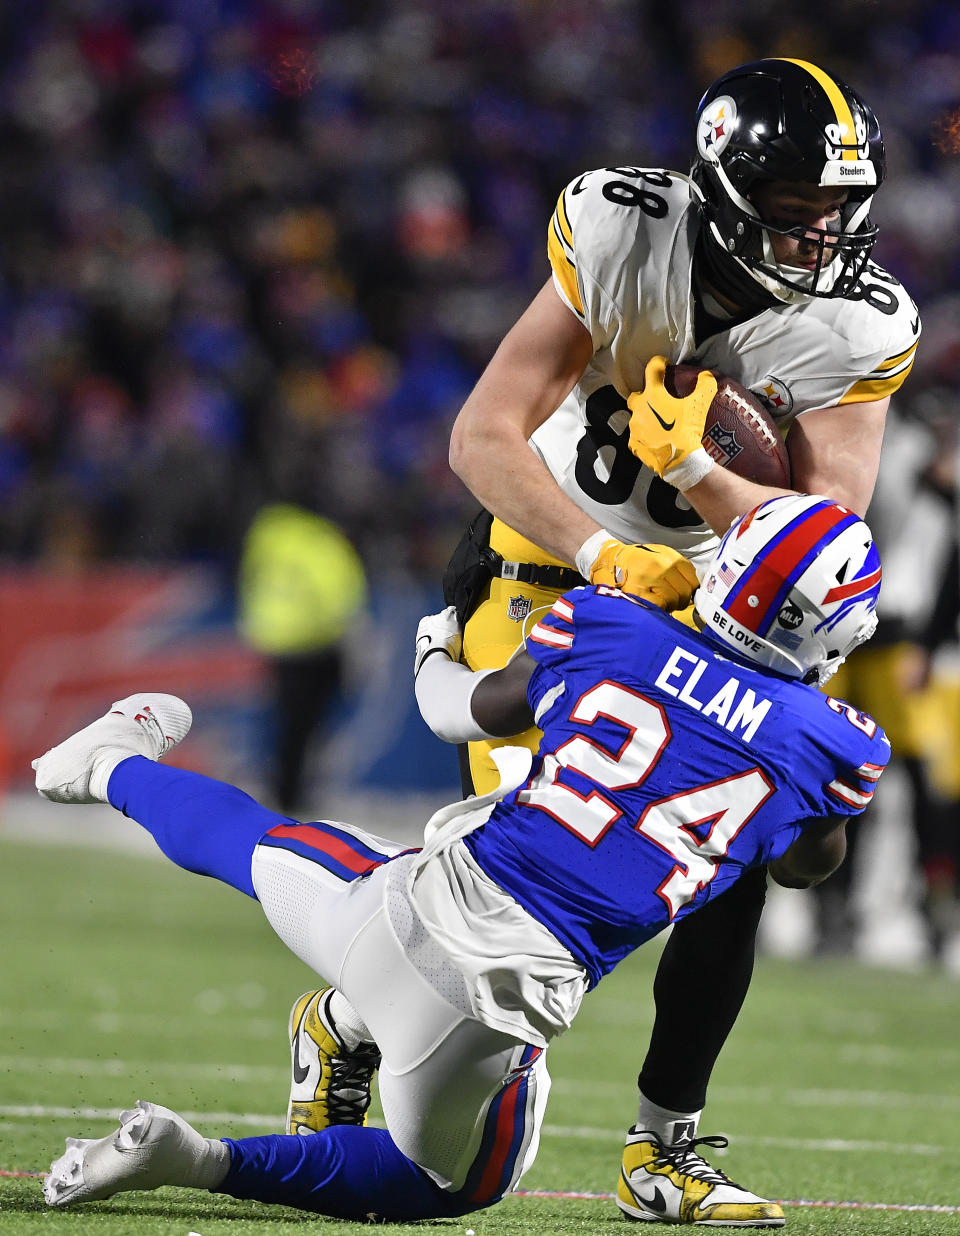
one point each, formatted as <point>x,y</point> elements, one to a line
<point>344,1171</point>
<point>201,824</point>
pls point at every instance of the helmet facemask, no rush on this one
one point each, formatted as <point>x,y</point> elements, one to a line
<point>735,224</point>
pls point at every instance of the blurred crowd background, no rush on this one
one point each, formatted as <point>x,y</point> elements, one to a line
<point>259,249</point>
<point>258,252</point>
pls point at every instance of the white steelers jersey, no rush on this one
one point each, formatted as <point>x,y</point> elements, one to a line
<point>621,246</point>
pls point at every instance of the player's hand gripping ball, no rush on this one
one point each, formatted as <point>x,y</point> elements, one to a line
<point>666,428</point>
<point>735,429</point>
<point>654,573</point>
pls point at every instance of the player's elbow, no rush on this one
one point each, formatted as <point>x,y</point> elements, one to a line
<point>792,875</point>
<point>477,443</point>
<point>461,450</point>
<point>784,875</point>
<point>810,859</point>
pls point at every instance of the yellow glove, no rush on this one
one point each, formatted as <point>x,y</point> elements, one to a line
<point>655,573</point>
<point>665,431</point>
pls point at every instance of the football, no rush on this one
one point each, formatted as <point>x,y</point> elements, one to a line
<point>740,433</point>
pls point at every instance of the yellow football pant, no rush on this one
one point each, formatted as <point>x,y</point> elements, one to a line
<point>497,628</point>
<point>923,725</point>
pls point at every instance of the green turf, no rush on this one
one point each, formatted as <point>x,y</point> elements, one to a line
<point>125,979</point>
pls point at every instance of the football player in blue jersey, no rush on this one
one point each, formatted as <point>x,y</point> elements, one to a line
<point>673,761</point>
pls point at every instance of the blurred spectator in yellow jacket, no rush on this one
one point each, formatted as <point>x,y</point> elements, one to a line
<point>302,588</point>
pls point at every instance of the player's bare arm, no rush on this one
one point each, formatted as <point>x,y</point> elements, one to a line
<point>534,369</point>
<point>836,451</point>
<point>500,704</point>
<point>721,496</point>
<point>816,853</point>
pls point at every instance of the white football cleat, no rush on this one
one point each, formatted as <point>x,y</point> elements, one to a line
<point>153,1147</point>
<point>78,769</point>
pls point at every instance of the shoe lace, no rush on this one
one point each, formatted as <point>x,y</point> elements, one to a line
<point>148,720</point>
<point>348,1095</point>
<point>685,1159</point>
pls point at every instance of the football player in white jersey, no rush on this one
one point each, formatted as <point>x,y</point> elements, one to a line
<point>756,264</point>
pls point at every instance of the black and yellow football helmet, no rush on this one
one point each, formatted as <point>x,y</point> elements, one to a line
<point>785,120</point>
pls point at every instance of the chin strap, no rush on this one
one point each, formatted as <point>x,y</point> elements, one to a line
<point>713,267</point>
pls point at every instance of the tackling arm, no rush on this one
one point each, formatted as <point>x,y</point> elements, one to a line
<point>815,854</point>
<point>460,704</point>
<point>499,703</point>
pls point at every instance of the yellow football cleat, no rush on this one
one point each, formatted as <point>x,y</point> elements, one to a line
<point>673,1184</point>
<point>330,1084</point>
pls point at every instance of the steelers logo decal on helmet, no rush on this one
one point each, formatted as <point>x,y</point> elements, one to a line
<point>716,126</point>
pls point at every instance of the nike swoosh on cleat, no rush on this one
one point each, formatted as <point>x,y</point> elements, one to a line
<point>662,422</point>
<point>300,1074</point>
<point>657,1202</point>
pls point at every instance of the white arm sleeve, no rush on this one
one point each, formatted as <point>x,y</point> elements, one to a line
<point>444,689</point>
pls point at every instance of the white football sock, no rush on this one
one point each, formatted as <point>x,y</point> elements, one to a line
<point>669,1125</point>
<point>350,1026</point>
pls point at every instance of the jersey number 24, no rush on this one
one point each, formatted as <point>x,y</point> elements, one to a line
<point>695,827</point>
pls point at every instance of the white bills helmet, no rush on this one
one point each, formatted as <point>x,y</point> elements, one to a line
<point>793,586</point>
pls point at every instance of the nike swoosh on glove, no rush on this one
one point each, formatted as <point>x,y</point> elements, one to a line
<point>438,633</point>
<point>665,429</point>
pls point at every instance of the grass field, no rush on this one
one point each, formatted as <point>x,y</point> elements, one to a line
<point>125,978</point>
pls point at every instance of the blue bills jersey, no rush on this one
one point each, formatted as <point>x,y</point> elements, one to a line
<point>667,768</point>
